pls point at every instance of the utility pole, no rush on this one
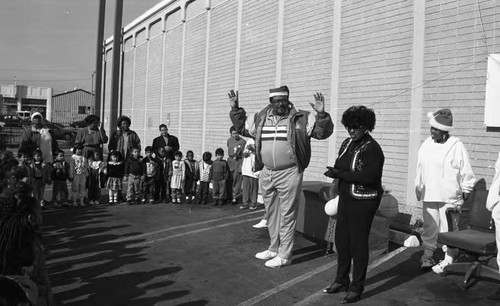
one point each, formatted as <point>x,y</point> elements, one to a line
<point>98,61</point>
<point>115,80</point>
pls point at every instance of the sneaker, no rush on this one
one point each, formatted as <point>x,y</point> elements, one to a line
<point>278,262</point>
<point>261,224</point>
<point>427,262</point>
<point>253,207</point>
<point>244,206</point>
<point>234,201</point>
<point>439,268</point>
<point>266,255</point>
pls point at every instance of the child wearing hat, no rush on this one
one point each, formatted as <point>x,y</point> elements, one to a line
<point>444,181</point>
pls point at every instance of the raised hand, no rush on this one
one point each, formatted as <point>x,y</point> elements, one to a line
<point>233,98</point>
<point>319,104</point>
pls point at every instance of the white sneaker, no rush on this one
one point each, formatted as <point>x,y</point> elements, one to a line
<point>261,224</point>
<point>266,255</point>
<point>439,268</point>
<point>278,262</point>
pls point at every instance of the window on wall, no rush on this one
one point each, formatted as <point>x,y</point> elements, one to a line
<point>492,96</point>
<point>82,110</point>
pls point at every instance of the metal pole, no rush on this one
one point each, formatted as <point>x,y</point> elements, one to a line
<point>98,61</point>
<point>115,81</point>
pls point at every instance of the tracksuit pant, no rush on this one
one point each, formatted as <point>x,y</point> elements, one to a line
<point>281,194</point>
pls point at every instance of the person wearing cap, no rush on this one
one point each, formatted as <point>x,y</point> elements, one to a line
<point>91,137</point>
<point>124,139</point>
<point>444,181</point>
<point>282,136</point>
<point>38,136</point>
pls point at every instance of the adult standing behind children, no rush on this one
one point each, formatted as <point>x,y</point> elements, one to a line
<point>167,141</point>
<point>444,181</point>
<point>282,151</point>
<point>91,137</point>
<point>38,136</point>
<point>124,139</point>
<point>235,148</point>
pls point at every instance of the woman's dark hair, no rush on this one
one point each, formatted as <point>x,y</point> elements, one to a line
<point>231,129</point>
<point>123,118</point>
<point>359,116</point>
<point>92,118</point>
<point>178,153</point>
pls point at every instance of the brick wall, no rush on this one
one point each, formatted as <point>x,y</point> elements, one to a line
<point>249,46</point>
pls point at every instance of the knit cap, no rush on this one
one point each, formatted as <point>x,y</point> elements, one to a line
<point>441,120</point>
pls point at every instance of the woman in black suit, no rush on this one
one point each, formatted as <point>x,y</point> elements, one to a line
<point>358,168</point>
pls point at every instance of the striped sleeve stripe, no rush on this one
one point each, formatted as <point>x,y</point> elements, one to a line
<point>273,132</point>
<point>272,139</point>
<point>272,128</point>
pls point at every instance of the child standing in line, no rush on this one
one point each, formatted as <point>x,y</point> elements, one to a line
<point>96,166</point>
<point>205,167</point>
<point>78,172</point>
<point>192,177</point>
<point>162,191</point>
<point>60,176</point>
<point>134,171</point>
<point>41,176</point>
<point>250,177</point>
<point>220,172</point>
<point>115,171</point>
<point>24,172</point>
<point>177,180</point>
<point>151,170</point>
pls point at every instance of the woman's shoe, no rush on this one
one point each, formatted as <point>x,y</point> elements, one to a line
<point>335,288</point>
<point>351,297</point>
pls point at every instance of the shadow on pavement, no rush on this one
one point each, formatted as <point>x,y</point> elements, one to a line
<point>91,265</point>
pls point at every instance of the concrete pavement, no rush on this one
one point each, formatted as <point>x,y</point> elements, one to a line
<point>167,254</point>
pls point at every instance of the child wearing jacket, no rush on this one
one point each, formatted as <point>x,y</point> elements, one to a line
<point>60,176</point>
<point>191,178</point>
<point>219,173</point>
<point>205,168</point>
<point>151,170</point>
<point>78,172</point>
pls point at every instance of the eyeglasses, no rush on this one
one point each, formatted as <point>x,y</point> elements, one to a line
<point>355,127</point>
